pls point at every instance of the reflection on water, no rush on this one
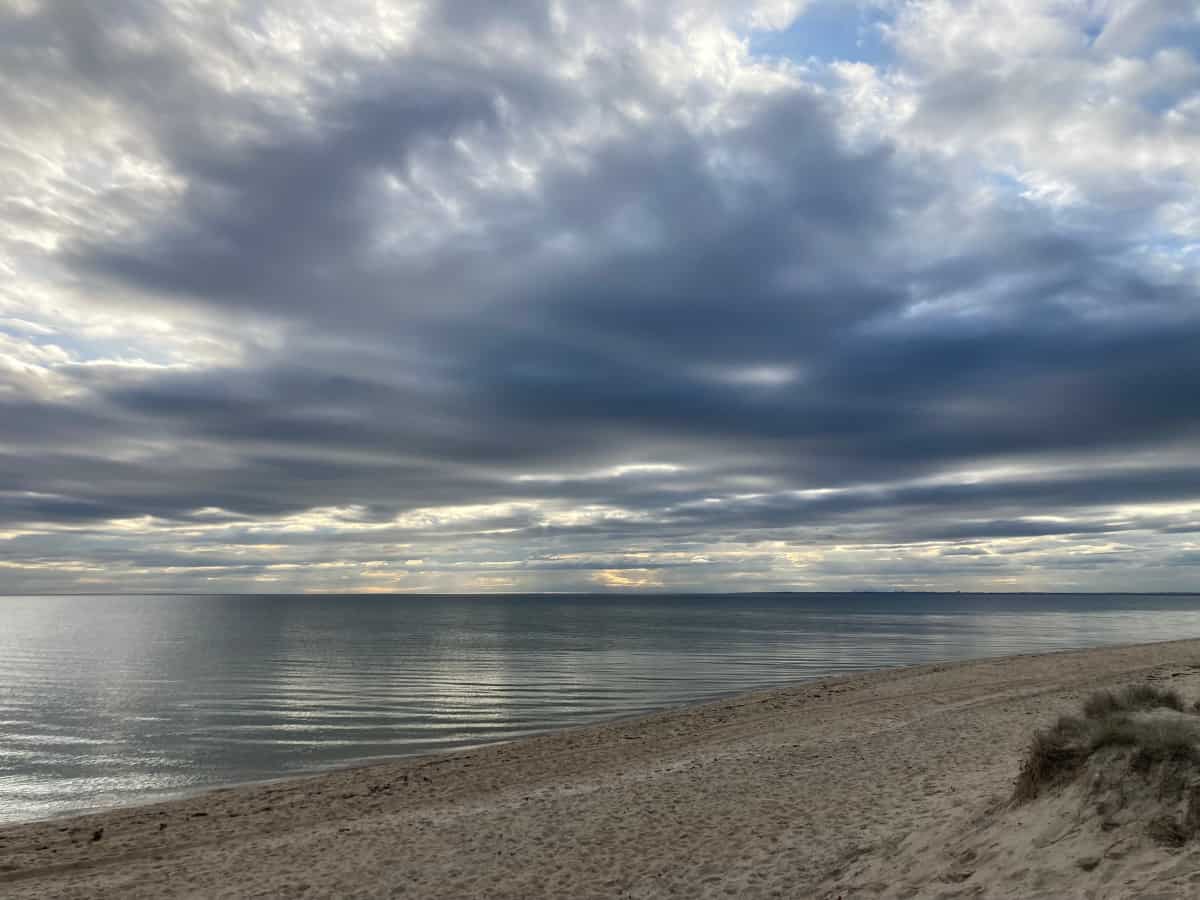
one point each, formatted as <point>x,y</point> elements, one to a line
<point>118,699</point>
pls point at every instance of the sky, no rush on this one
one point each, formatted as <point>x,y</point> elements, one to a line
<point>551,296</point>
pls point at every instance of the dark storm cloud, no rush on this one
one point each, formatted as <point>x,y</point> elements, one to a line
<point>878,404</point>
<point>276,224</point>
<point>286,224</point>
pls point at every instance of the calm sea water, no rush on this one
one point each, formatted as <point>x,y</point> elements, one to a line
<point>107,700</point>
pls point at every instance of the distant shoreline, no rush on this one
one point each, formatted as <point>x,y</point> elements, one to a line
<point>760,791</point>
<point>612,593</point>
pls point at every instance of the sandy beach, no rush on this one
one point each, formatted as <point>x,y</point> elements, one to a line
<point>892,784</point>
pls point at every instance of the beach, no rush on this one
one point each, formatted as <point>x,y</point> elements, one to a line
<point>894,783</point>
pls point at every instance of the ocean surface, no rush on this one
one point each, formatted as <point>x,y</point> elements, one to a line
<point>108,700</point>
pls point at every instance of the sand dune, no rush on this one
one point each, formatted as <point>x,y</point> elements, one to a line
<point>892,784</point>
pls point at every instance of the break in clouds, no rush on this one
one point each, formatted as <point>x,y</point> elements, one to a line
<point>571,296</point>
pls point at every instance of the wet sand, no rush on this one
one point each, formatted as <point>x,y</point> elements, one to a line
<point>860,786</point>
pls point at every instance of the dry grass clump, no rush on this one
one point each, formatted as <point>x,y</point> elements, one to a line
<point>1130,699</point>
<point>1148,725</point>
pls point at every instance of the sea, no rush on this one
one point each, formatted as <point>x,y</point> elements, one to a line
<point>110,700</point>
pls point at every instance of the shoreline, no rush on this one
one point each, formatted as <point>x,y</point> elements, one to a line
<point>338,768</point>
<point>606,721</point>
<point>188,794</point>
<point>730,759</point>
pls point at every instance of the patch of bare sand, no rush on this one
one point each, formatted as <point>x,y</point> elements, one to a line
<point>883,784</point>
<point>1107,805</point>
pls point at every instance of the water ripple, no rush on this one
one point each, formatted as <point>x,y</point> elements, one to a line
<point>107,700</point>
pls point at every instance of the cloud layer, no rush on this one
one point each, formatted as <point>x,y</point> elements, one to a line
<point>433,297</point>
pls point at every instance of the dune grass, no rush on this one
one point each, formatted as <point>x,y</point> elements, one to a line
<point>1123,719</point>
<point>1130,699</point>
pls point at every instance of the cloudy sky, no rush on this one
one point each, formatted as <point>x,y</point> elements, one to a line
<point>544,295</point>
